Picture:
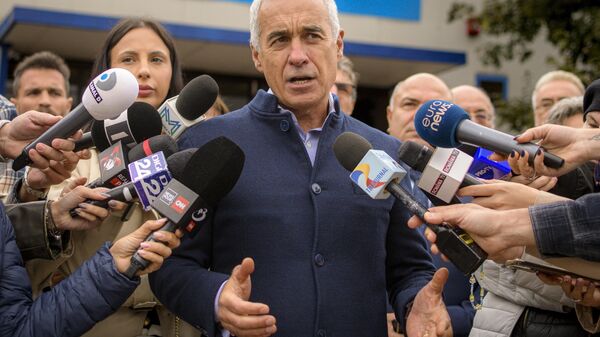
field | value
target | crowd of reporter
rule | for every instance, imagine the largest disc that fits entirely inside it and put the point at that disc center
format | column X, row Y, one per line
column 63, row 261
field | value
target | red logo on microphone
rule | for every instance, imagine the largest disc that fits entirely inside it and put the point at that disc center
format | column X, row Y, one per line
column 180, row 204
column 438, row 184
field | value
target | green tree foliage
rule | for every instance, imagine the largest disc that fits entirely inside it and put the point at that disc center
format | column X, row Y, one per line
column 572, row 26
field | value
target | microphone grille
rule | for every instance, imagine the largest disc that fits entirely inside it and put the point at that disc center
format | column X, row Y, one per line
column 350, row 148
column 414, row 155
column 144, row 121
column 197, row 97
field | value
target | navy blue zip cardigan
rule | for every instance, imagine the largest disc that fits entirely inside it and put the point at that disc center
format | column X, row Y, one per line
column 324, row 251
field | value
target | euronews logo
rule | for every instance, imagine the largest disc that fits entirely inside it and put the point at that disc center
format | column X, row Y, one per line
column 435, row 112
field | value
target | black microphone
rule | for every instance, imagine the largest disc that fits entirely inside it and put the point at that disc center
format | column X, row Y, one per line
column 416, row 156
column 373, row 171
column 444, row 124
column 112, row 175
column 127, row 191
column 185, row 110
column 209, row 175
column 139, row 122
column 105, row 97
column 84, row 142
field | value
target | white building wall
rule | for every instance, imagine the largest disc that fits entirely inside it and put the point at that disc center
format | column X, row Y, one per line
column 432, row 32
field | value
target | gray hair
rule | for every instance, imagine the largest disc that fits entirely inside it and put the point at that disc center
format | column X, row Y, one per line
column 255, row 29
column 556, row 75
column 346, row 66
column 564, row 109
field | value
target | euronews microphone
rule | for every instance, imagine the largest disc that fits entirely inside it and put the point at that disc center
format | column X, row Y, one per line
column 134, row 125
column 378, row 174
column 444, row 124
column 105, row 97
column 185, row 110
column 209, row 175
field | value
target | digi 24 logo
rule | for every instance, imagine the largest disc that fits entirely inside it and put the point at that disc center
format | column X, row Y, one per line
column 153, row 185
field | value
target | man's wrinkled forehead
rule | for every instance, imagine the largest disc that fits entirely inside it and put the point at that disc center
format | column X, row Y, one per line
column 293, row 17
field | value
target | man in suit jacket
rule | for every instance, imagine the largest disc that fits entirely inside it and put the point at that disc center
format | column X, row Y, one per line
column 321, row 251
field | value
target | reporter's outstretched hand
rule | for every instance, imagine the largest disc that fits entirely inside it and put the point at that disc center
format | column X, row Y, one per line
column 58, row 161
column 575, row 146
column 238, row 315
column 26, row 127
column 503, row 195
column 502, row 234
column 89, row 216
column 154, row 252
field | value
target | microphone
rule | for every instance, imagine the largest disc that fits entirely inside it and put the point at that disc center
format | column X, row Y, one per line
column 485, row 168
column 139, row 122
column 376, row 171
column 113, row 165
column 150, row 184
column 105, row 97
column 149, row 175
column 185, row 110
column 416, row 156
column 209, row 175
column 152, row 145
column 444, row 124
column 84, row 142
column 114, row 160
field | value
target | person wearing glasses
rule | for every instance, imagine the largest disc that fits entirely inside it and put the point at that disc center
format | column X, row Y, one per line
column 346, row 80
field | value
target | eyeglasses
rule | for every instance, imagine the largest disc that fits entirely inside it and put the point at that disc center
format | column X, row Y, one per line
column 345, row 87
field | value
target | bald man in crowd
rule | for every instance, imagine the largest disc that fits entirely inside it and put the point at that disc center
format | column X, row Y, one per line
column 406, row 99
column 476, row 103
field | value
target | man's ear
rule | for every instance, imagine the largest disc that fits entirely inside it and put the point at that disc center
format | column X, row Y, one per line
column 256, row 59
column 70, row 102
column 340, row 44
column 388, row 114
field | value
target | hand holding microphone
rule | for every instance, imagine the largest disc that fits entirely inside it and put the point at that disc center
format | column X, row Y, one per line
column 154, row 252
column 576, row 146
column 24, row 128
column 446, row 125
column 497, row 232
column 378, row 174
column 105, row 97
column 210, row 173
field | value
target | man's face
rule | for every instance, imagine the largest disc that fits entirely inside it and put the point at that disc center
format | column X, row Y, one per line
column 298, row 54
column 549, row 94
column 344, row 89
column 407, row 100
column 42, row 90
column 476, row 104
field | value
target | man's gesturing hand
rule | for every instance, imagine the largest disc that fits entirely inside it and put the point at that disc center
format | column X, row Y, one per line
column 238, row 315
column 428, row 316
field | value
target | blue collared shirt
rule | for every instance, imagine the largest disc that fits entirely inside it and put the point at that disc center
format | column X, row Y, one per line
column 310, row 139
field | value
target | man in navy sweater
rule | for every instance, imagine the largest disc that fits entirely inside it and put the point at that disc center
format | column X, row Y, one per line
column 316, row 253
